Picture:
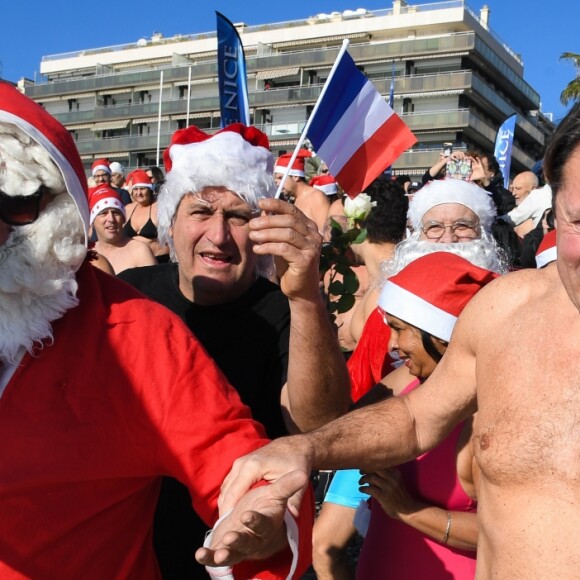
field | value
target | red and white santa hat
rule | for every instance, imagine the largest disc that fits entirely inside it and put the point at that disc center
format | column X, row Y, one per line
column 431, row 292
column 139, row 178
column 101, row 164
column 547, row 251
column 326, row 184
column 449, row 190
column 297, row 168
column 101, row 198
column 17, row 109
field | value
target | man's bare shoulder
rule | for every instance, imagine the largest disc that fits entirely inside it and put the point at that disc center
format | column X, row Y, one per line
column 513, row 291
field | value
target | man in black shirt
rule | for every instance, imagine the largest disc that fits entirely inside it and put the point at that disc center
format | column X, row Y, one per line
column 275, row 344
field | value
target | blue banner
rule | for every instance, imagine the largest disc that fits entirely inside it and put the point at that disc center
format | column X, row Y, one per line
column 503, row 147
column 232, row 81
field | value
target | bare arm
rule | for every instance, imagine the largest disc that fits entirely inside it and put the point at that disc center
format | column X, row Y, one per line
column 381, row 435
column 318, row 386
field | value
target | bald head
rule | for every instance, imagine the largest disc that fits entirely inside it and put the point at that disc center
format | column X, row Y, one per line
column 524, row 183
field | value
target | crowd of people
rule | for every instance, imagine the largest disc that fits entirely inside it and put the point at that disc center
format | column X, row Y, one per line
column 139, row 403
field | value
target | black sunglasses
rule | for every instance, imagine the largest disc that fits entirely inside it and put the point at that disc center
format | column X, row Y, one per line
column 21, row 210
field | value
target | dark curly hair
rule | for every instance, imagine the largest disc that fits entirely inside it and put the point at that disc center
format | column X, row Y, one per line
column 387, row 221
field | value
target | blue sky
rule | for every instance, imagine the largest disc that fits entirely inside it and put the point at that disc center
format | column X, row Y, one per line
column 33, row 29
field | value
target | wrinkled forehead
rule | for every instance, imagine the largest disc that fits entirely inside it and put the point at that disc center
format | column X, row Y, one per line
column 219, row 197
column 449, row 212
column 24, row 164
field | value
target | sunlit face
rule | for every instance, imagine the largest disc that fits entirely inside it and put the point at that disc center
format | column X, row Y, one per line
column 100, row 177
column 213, row 247
column 109, row 224
column 456, row 218
column 568, row 227
column 289, row 187
column 406, row 341
column 521, row 187
column 141, row 194
column 117, row 179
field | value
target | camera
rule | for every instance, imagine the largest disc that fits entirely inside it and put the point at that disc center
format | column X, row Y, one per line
column 459, row 169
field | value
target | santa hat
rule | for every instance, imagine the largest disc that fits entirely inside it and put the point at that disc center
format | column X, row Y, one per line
column 547, row 252
column 237, row 158
column 139, row 178
column 431, row 292
column 449, row 190
column 297, row 169
column 100, row 164
column 101, row 198
column 17, row 109
column 326, row 184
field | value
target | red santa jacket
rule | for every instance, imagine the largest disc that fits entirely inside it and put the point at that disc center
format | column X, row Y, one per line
column 123, row 395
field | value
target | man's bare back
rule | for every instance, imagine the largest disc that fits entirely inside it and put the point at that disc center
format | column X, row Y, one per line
column 314, row 204
column 527, row 438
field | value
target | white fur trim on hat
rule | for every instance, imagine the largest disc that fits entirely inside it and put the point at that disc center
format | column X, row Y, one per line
column 416, row 311
column 281, row 169
column 449, row 190
column 148, row 185
column 104, row 204
column 328, row 189
column 224, row 160
column 105, row 168
column 547, row 256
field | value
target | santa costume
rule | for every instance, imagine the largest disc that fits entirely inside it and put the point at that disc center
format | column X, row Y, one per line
column 103, row 392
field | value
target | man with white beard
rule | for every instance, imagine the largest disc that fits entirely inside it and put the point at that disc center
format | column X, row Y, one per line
column 90, row 422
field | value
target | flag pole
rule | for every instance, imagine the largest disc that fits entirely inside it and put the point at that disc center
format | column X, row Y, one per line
column 302, row 138
column 159, row 117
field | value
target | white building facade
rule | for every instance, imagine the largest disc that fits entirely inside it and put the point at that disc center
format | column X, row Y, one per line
column 454, row 81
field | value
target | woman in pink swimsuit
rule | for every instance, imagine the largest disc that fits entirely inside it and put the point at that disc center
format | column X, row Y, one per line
column 423, row 520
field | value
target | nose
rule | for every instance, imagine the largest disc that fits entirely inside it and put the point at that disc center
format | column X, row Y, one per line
column 393, row 341
column 448, row 237
column 218, row 231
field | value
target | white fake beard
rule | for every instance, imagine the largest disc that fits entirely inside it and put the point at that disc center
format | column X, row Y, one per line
column 37, row 276
column 483, row 252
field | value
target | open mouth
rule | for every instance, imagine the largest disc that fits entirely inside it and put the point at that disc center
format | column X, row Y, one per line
column 212, row 258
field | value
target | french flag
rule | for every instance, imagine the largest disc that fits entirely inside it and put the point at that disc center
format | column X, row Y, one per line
column 353, row 129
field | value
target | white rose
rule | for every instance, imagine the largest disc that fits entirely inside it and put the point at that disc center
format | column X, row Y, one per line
column 359, row 207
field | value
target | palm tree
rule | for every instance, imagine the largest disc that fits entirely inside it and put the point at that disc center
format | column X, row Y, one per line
column 572, row 91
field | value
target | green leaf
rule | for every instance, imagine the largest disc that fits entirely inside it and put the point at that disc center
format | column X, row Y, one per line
column 345, row 303
column 336, row 288
column 350, row 283
column 361, row 237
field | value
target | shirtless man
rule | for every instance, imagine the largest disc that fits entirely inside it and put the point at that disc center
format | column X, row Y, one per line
column 523, row 184
column 310, row 200
column 527, row 438
column 107, row 219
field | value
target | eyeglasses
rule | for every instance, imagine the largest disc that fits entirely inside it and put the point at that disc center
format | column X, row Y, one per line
column 461, row 229
column 21, row 210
